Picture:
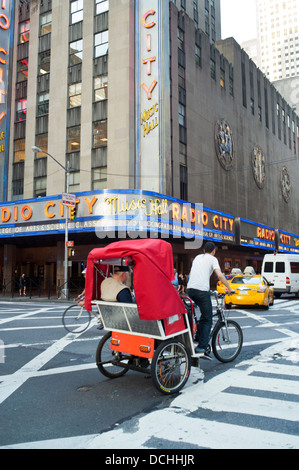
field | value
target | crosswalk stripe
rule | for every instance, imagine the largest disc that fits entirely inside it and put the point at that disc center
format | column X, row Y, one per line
column 257, row 406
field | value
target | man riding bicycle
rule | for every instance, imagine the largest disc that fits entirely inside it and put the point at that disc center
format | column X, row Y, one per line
column 198, row 289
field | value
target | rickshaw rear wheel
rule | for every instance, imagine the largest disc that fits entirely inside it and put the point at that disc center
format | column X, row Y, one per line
column 171, row 366
column 107, row 360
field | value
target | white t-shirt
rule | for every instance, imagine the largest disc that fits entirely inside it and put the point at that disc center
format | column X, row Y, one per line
column 201, row 271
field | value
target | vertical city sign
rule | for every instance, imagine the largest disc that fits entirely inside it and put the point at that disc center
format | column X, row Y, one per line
column 149, row 90
column 6, row 29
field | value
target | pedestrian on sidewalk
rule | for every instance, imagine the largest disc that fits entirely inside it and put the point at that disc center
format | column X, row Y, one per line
column 22, row 285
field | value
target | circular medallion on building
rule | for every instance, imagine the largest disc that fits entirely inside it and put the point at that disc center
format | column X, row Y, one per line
column 224, row 144
column 258, row 166
column 285, row 184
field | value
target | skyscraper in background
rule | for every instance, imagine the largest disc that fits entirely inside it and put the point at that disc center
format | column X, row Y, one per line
column 276, row 48
column 278, row 38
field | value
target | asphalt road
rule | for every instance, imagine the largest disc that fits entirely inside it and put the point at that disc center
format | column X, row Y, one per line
column 53, row 396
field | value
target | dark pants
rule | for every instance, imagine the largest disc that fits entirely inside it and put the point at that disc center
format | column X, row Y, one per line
column 204, row 325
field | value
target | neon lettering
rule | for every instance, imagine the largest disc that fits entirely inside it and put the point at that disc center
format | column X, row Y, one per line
column 2, row 61
column 145, row 17
column 6, row 20
column 149, row 90
column 90, row 203
column 148, row 62
column 48, row 214
column 28, row 215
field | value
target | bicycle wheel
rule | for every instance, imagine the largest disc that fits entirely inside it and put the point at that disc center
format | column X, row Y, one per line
column 76, row 319
column 108, row 361
column 227, row 341
column 171, row 366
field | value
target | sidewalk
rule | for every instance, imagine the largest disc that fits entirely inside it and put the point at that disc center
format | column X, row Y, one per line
column 34, row 298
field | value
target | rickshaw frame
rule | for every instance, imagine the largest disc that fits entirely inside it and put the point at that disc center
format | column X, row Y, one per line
column 163, row 346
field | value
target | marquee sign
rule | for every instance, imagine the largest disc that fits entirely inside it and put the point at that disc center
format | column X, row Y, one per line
column 287, row 242
column 118, row 213
column 256, row 235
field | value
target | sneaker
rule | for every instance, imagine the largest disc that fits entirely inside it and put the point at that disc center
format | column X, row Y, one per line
column 100, row 325
column 203, row 354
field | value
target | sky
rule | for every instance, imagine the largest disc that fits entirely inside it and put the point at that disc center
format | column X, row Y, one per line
column 238, row 19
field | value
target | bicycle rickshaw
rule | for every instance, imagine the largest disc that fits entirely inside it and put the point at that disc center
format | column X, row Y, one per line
column 155, row 335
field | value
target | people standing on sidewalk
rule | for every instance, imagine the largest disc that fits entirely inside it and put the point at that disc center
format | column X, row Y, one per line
column 198, row 289
column 22, row 285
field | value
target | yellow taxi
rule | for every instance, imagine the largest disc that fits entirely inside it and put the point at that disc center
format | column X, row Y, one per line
column 250, row 290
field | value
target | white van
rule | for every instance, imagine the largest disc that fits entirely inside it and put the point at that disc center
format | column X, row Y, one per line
column 282, row 270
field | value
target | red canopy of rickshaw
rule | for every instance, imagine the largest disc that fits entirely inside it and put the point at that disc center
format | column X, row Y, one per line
column 156, row 297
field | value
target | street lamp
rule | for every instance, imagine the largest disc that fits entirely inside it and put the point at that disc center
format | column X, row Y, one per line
column 67, row 180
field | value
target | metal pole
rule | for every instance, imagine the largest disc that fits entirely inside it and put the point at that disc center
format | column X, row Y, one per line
column 66, row 169
column 67, row 183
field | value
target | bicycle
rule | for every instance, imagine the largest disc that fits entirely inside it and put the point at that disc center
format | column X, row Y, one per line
column 226, row 337
column 76, row 319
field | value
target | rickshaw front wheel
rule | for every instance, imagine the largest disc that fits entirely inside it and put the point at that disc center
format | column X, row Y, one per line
column 171, row 366
column 109, row 361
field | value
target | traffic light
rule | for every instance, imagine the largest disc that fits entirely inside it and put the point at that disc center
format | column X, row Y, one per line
column 73, row 214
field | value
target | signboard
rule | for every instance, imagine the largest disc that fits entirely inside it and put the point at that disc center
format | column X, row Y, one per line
column 69, row 200
column 152, row 72
column 118, row 213
column 287, row 242
column 256, row 235
column 6, row 35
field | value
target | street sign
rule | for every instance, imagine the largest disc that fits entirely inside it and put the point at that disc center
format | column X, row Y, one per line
column 69, row 244
column 68, row 199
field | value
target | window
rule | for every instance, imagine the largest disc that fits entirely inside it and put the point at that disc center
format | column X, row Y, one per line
column 183, row 183
column 18, row 179
column 198, row 55
column 222, row 78
column 279, row 267
column 45, row 23
column 76, row 53
column 21, row 110
column 181, row 39
column 40, row 186
column 101, row 88
column 44, row 62
column 22, row 70
column 181, row 72
column 75, row 95
column 19, row 152
column 73, row 139
column 74, row 181
column 101, row 6
column 99, row 178
column 183, row 155
column 268, row 267
column 24, row 32
column 41, row 141
column 43, row 104
column 182, row 115
column 213, row 69
column 100, row 135
column 101, row 44
column 295, row 268
column 76, row 11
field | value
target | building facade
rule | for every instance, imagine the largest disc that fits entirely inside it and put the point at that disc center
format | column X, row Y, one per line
column 167, row 130
column 278, row 38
